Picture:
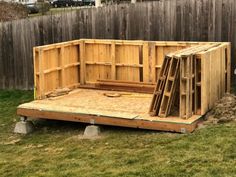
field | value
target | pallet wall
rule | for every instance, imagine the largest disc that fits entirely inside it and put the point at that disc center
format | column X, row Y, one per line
column 215, row 75
column 85, row 61
column 192, row 80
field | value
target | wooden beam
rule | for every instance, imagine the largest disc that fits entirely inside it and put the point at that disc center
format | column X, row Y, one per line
column 125, row 82
column 228, row 67
column 113, row 61
column 41, row 74
column 35, row 76
column 133, row 123
column 146, row 69
column 143, row 88
column 82, row 63
column 62, row 61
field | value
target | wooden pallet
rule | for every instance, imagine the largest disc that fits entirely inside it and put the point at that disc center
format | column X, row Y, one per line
column 186, row 76
column 170, row 88
column 163, row 100
column 158, row 92
column 190, row 81
column 184, row 72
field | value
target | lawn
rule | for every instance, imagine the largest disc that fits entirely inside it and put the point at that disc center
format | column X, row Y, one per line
column 55, row 149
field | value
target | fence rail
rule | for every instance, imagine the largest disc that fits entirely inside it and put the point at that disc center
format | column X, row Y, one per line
column 163, row 20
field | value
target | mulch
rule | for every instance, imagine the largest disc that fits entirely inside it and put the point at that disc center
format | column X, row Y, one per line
column 224, row 111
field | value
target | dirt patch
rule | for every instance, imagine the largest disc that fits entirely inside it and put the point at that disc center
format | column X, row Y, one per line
column 224, row 111
column 12, row 11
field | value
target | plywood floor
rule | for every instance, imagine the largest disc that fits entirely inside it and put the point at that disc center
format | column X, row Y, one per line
column 94, row 102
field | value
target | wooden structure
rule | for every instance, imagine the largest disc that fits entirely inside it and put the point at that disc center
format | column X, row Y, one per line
column 117, row 78
column 195, row 75
column 162, row 20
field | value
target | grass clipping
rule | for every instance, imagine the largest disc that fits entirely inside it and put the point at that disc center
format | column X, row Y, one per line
column 12, row 11
column 224, row 110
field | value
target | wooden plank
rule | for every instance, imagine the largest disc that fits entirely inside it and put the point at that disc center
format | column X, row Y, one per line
column 82, row 63
column 63, row 77
column 228, row 59
column 198, row 84
column 152, row 62
column 142, row 88
column 41, row 75
column 35, row 70
column 113, row 61
column 146, row 70
column 191, row 76
column 125, row 82
column 143, row 124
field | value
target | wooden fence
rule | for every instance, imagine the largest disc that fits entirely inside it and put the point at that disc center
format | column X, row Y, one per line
column 165, row 20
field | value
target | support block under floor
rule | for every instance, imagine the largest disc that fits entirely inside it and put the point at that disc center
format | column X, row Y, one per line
column 92, row 131
column 24, row 127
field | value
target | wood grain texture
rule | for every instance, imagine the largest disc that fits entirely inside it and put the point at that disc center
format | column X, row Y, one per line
column 175, row 20
column 85, row 61
column 79, row 106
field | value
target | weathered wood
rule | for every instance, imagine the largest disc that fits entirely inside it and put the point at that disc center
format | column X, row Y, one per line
column 196, row 20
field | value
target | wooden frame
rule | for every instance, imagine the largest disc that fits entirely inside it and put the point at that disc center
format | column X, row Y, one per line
column 203, row 80
column 83, row 62
column 134, row 66
column 162, row 125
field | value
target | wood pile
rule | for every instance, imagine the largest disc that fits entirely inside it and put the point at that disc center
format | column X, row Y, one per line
column 186, row 77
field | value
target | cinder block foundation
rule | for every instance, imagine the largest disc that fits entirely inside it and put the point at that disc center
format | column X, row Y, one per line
column 24, row 127
column 92, row 131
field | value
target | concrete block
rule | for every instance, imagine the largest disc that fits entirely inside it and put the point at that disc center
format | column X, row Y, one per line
column 92, row 131
column 24, row 127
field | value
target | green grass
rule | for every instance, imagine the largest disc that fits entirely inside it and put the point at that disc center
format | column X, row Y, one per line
column 54, row 149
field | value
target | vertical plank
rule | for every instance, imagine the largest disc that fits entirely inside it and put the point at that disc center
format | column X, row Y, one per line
column 113, row 61
column 146, row 69
column 62, row 62
column 82, row 63
column 228, row 68
column 41, row 74
column 203, row 84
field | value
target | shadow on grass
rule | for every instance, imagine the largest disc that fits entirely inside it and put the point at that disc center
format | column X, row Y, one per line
column 65, row 126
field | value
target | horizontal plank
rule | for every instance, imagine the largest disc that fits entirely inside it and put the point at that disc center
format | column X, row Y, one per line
column 72, row 65
column 121, row 81
column 47, row 71
column 97, row 63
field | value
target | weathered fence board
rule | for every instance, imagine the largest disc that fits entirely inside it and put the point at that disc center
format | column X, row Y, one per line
column 179, row 20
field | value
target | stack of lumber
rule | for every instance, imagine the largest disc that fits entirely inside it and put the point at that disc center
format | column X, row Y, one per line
column 185, row 79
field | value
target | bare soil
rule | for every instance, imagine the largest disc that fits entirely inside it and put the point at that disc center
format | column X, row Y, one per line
column 12, row 11
column 224, row 111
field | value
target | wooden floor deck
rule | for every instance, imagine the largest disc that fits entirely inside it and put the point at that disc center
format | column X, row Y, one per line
column 93, row 106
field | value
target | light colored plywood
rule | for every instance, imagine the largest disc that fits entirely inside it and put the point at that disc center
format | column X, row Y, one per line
column 79, row 106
